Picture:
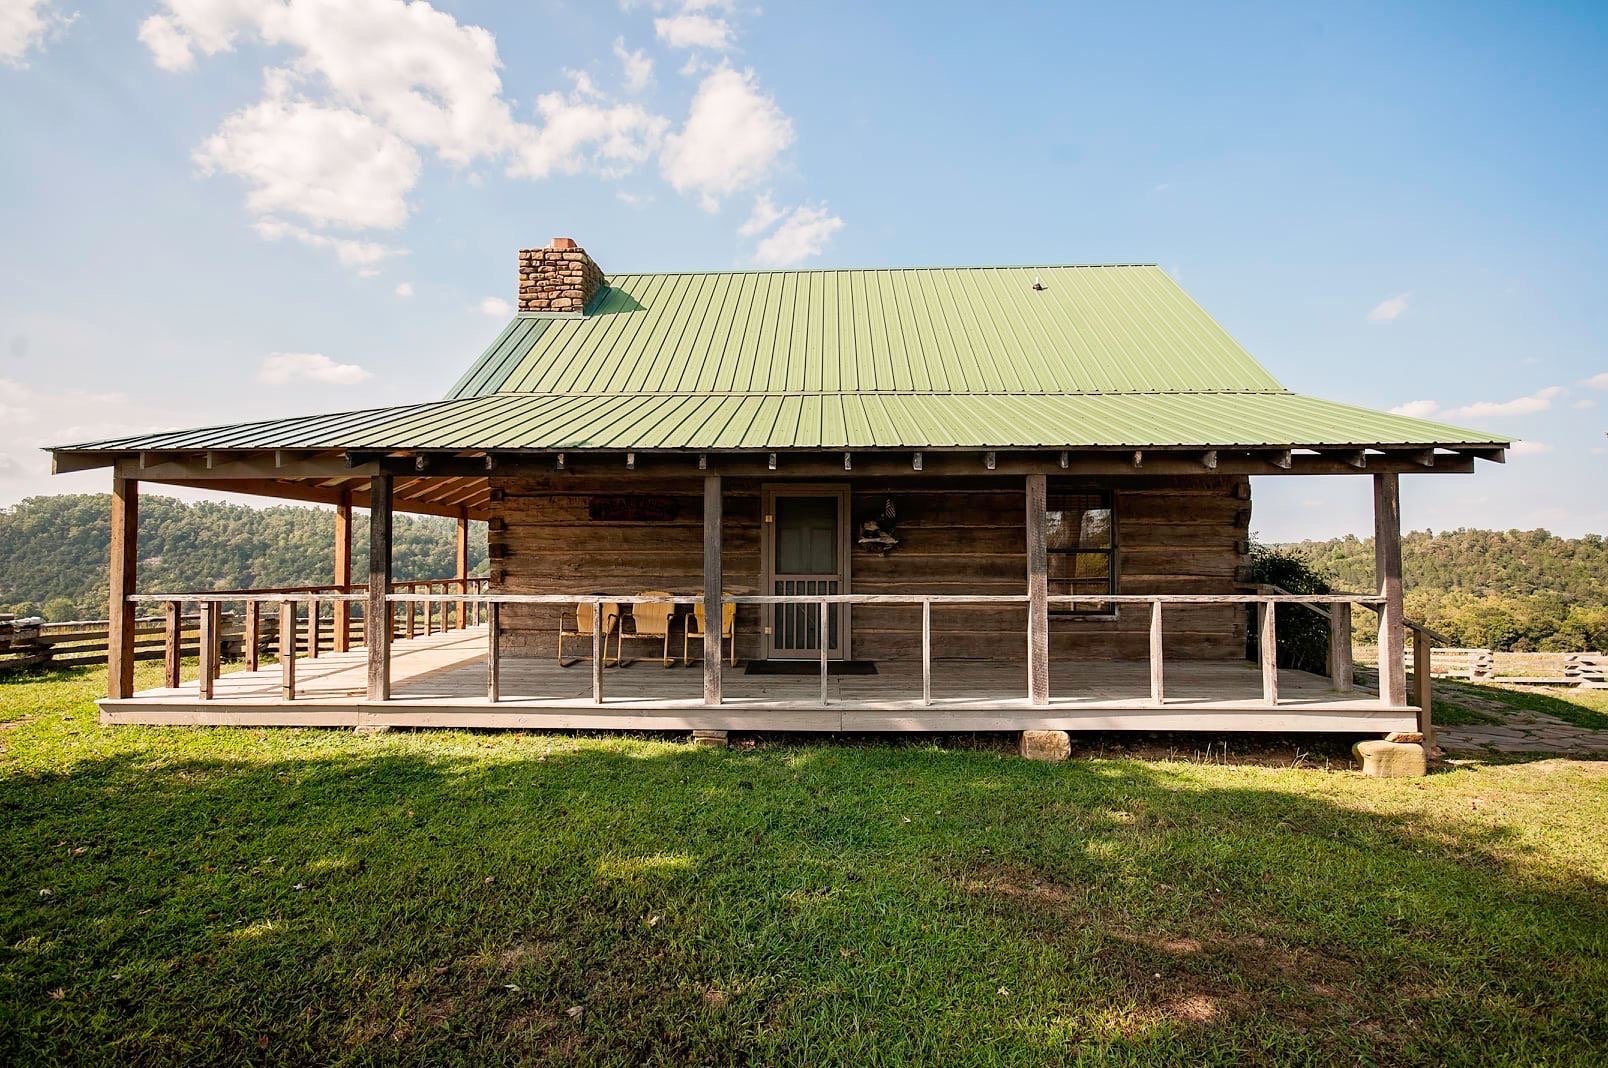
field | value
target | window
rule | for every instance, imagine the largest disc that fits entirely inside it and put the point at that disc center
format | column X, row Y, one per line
column 1081, row 540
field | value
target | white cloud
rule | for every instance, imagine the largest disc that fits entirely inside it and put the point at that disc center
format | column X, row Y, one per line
column 331, row 166
column 638, row 66
column 765, row 214
column 496, row 307
column 279, row 368
column 688, row 30
column 579, row 132
column 25, row 25
column 731, row 139
column 1530, row 448
column 1389, row 309
column 1597, row 381
column 404, row 289
column 375, row 83
column 1539, row 401
column 1418, row 409
column 1583, row 403
column 31, row 418
column 634, row 200
column 802, row 234
column 364, row 257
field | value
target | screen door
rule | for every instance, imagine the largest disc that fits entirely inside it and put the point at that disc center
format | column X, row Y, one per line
column 806, row 552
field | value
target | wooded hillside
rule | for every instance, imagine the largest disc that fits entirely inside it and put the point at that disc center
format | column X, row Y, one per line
column 1496, row 589
column 53, row 550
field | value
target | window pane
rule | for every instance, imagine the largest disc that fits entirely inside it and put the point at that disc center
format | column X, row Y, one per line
column 806, row 535
column 1095, row 530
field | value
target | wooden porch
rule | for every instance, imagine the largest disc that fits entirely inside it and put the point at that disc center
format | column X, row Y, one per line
column 441, row 680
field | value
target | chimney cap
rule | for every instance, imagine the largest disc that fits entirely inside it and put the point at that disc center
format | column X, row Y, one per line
column 564, row 243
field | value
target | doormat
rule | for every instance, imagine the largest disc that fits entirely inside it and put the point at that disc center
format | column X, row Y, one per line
column 810, row 667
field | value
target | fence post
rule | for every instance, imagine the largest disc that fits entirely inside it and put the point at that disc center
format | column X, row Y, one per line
column 1268, row 646
column 173, row 614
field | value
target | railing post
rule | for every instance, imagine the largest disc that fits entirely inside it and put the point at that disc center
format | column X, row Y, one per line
column 409, row 613
column 1387, row 568
column 287, row 650
column 1340, row 671
column 462, row 561
column 926, row 651
column 825, row 644
column 1424, row 688
column 713, row 582
column 1038, row 612
column 377, row 613
column 173, row 619
column 1268, row 647
column 342, row 640
column 493, row 655
column 125, row 523
column 312, row 629
column 597, row 651
column 1158, row 692
column 216, row 611
column 252, row 634
column 208, row 651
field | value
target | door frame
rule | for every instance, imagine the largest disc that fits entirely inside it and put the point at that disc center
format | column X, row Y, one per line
column 768, row 492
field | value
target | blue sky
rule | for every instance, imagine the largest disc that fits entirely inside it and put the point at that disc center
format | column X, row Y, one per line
column 217, row 210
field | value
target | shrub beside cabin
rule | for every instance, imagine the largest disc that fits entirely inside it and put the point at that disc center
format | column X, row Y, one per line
column 925, row 499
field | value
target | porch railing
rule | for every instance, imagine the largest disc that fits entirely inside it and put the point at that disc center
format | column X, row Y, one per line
column 1266, row 604
column 299, row 625
column 474, row 604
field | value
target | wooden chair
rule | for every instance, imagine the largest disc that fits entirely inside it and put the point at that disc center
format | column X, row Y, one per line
column 695, row 625
column 581, row 620
column 648, row 621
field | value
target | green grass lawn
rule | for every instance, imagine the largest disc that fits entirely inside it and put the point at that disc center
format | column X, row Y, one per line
column 295, row 896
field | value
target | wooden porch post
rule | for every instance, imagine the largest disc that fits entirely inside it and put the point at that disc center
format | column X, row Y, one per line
column 1038, row 607
column 714, row 581
column 119, row 609
column 1387, row 567
column 343, row 571
column 376, row 612
column 463, row 566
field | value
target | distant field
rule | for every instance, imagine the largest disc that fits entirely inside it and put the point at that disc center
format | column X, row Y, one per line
column 297, row 896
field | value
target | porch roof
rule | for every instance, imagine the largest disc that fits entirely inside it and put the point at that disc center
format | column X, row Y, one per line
column 933, row 358
column 616, row 422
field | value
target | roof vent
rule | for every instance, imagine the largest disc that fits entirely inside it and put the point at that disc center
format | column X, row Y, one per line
column 560, row 279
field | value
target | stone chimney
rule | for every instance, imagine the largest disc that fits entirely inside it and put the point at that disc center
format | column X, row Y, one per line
column 558, row 278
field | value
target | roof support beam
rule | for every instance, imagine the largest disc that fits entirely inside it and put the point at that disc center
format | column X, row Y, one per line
column 915, row 462
column 990, row 460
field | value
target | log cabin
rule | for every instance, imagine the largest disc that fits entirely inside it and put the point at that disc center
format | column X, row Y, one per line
column 979, row 498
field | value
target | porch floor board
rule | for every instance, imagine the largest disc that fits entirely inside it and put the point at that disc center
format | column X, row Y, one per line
column 440, row 681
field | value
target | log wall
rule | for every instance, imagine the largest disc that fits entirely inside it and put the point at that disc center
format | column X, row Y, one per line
column 1175, row 535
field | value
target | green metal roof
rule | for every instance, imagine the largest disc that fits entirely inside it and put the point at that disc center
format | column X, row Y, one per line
column 919, row 358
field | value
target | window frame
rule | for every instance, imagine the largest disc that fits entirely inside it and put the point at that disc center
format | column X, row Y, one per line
column 1107, row 498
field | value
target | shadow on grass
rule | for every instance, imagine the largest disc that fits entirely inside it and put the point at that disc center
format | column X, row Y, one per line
column 453, row 897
